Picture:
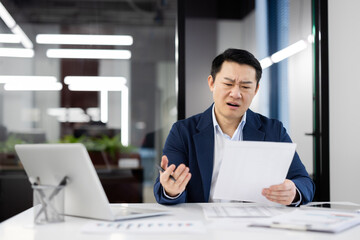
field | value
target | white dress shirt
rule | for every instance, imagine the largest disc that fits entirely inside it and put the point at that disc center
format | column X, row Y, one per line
column 219, row 139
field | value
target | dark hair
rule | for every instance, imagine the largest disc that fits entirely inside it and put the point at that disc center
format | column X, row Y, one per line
column 239, row 56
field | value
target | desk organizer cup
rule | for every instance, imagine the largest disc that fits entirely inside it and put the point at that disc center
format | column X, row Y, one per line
column 48, row 203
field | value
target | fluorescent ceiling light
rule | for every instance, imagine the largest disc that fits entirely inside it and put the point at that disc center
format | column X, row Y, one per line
column 16, row 52
column 83, row 39
column 30, row 83
column 94, row 80
column 95, row 87
column 266, row 62
column 23, row 38
column 9, row 38
column 27, row 79
column 11, row 24
column 33, row 86
column 68, row 114
column 125, row 116
column 6, row 17
column 95, row 83
column 88, row 53
column 104, row 106
column 288, row 51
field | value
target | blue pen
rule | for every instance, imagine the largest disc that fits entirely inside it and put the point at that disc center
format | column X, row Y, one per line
column 163, row 170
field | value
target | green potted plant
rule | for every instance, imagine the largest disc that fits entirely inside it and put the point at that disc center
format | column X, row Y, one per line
column 105, row 150
column 7, row 150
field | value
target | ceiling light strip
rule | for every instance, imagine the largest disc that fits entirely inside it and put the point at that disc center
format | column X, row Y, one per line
column 125, row 117
column 33, row 87
column 84, row 88
column 11, row 24
column 16, row 52
column 94, row 80
column 288, row 51
column 9, row 38
column 88, row 53
column 25, row 41
column 27, row 79
column 283, row 54
column 85, row 39
column 6, row 17
column 104, row 108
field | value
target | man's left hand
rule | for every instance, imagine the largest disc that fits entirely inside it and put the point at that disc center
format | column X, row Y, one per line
column 284, row 193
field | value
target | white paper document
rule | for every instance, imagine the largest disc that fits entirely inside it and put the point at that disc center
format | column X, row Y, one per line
column 312, row 220
column 145, row 227
column 247, row 167
column 247, row 211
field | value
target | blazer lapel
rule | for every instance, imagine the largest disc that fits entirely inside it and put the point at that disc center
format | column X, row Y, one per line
column 204, row 147
column 251, row 128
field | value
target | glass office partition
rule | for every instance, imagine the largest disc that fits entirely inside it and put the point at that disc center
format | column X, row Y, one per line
column 97, row 72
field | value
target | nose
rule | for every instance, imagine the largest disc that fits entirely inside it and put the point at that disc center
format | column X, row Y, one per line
column 235, row 92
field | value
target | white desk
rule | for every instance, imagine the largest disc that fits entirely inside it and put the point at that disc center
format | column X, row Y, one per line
column 21, row 227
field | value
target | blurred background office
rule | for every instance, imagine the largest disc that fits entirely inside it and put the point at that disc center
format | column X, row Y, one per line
column 115, row 75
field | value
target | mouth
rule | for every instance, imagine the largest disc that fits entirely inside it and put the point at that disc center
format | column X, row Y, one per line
column 233, row 104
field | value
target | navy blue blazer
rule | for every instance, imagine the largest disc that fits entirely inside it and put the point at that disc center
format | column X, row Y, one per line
column 191, row 141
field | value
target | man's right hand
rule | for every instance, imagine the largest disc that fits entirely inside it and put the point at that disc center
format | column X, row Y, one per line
column 181, row 174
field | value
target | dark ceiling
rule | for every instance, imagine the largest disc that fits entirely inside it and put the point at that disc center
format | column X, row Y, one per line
column 121, row 12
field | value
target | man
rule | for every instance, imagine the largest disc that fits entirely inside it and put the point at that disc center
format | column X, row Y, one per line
column 196, row 144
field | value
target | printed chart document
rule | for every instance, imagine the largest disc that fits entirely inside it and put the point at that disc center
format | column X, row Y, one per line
column 247, row 167
column 246, row 211
column 145, row 227
column 312, row 220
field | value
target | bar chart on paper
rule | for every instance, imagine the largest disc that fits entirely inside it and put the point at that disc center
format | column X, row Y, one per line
column 145, row 227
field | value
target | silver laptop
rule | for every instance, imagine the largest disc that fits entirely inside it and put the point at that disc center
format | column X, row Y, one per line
column 84, row 194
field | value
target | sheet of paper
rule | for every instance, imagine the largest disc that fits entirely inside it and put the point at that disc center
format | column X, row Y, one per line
column 145, row 227
column 312, row 220
column 241, row 211
column 247, row 167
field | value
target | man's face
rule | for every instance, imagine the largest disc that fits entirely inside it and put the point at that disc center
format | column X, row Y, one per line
column 233, row 91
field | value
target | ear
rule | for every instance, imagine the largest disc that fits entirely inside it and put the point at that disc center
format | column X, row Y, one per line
column 211, row 83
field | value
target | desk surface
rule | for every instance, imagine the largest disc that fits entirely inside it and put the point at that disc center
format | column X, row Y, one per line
column 21, row 227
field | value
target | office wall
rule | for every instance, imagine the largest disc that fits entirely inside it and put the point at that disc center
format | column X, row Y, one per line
column 204, row 39
column 344, row 51
column 200, row 44
column 300, row 82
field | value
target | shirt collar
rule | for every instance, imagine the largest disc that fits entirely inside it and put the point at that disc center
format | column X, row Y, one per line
column 217, row 126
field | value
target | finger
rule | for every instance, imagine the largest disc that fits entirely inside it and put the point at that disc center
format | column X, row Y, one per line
column 273, row 197
column 179, row 170
column 180, row 178
column 283, row 197
column 286, row 185
column 164, row 162
column 280, row 187
column 165, row 176
column 284, row 201
column 278, row 195
column 271, row 192
column 184, row 183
